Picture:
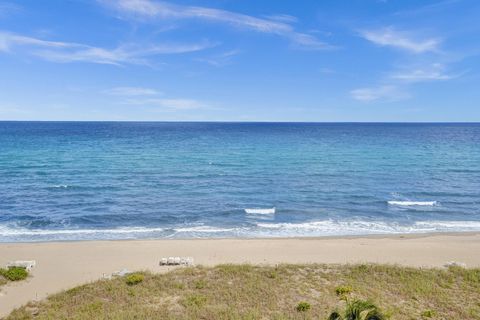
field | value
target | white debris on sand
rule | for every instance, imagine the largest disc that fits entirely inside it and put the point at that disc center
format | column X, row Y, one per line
column 176, row 261
column 455, row 264
column 27, row 264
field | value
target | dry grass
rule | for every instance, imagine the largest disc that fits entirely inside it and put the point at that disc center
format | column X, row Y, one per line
column 254, row 292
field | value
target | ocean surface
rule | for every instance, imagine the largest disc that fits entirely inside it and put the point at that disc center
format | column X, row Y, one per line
column 114, row 180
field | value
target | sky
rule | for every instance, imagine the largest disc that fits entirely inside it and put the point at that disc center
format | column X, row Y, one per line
column 240, row 60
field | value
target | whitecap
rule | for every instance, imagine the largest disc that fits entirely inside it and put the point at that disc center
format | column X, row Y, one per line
column 412, row 203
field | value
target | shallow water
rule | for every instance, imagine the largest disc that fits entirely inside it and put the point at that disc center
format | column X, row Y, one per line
column 100, row 180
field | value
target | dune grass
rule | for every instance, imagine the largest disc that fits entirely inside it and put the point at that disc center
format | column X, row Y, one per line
column 260, row 292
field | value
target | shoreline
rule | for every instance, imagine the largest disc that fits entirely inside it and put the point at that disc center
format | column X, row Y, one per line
column 63, row 265
column 359, row 236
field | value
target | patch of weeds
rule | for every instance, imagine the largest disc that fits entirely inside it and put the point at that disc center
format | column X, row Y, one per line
column 428, row 314
column 343, row 290
column 303, row 306
column 134, row 278
column 200, row 284
column 14, row 273
column 195, row 300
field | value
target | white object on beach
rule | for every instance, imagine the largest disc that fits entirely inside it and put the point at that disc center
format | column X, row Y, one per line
column 260, row 210
column 455, row 264
column 27, row 264
column 121, row 273
column 176, row 261
column 412, row 203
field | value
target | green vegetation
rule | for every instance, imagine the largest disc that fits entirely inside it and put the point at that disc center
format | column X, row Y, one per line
column 358, row 310
column 13, row 274
column 303, row 306
column 343, row 290
column 251, row 292
column 134, row 278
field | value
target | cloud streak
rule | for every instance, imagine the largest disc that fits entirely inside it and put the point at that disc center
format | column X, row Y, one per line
column 387, row 93
column 163, row 10
column 389, row 37
column 64, row 52
column 148, row 97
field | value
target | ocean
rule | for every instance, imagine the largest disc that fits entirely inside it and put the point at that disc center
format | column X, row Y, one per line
column 129, row 180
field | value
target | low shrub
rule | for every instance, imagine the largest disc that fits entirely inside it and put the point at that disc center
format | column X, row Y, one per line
column 343, row 290
column 14, row 273
column 428, row 314
column 358, row 310
column 134, row 278
column 195, row 300
column 303, row 306
column 200, row 284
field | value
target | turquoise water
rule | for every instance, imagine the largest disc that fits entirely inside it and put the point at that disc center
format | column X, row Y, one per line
column 100, row 180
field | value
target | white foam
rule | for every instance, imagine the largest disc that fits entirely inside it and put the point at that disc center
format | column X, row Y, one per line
column 204, row 229
column 412, row 203
column 5, row 231
column 260, row 211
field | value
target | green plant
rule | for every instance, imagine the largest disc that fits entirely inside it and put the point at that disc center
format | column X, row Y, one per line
column 358, row 310
column 14, row 273
column 303, row 306
column 343, row 290
column 200, row 284
column 428, row 313
column 196, row 300
column 134, row 278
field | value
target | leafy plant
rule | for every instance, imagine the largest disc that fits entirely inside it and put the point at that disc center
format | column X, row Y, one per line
column 14, row 273
column 134, row 278
column 303, row 306
column 343, row 290
column 196, row 300
column 358, row 310
column 428, row 313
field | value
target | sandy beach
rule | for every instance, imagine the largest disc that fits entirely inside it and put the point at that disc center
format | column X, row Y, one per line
column 62, row 265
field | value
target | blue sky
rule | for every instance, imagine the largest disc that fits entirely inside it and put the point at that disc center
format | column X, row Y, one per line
column 232, row 60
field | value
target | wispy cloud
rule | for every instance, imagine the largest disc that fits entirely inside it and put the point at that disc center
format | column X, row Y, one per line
column 148, row 97
column 401, row 40
column 220, row 60
column 174, row 103
column 132, row 91
column 162, row 10
column 432, row 72
column 387, row 93
column 74, row 52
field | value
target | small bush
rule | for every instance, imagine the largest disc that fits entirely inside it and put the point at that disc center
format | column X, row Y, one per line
column 200, row 284
column 14, row 273
column 195, row 300
column 134, row 278
column 303, row 306
column 428, row 314
column 343, row 290
column 358, row 310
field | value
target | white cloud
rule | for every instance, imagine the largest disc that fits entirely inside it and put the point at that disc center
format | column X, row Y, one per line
column 72, row 52
column 432, row 72
column 174, row 103
column 220, row 60
column 383, row 93
column 163, row 10
column 401, row 40
column 132, row 91
column 148, row 97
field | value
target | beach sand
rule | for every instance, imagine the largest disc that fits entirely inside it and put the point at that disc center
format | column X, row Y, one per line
column 63, row 265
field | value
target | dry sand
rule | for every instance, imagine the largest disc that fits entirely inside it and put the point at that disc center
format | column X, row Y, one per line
column 63, row 265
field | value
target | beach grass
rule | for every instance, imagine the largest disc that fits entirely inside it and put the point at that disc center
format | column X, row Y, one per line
column 12, row 274
column 268, row 292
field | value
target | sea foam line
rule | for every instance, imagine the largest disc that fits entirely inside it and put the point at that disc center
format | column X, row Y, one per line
column 412, row 203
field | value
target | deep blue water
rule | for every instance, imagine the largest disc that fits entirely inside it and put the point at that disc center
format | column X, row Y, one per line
column 100, row 180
